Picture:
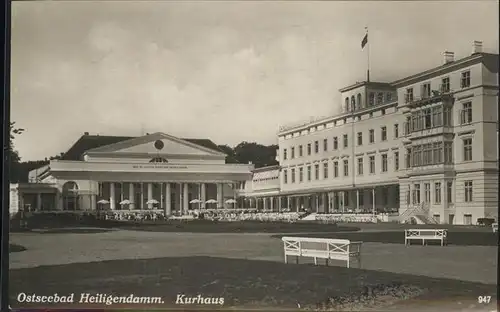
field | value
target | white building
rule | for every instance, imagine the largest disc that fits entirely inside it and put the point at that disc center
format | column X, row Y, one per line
column 155, row 171
column 425, row 145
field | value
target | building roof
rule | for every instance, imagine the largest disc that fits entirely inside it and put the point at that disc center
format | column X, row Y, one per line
column 87, row 142
column 489, row 59
column 368, row 84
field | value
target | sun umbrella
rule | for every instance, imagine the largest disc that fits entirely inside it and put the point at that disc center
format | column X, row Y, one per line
column 230, row 201
column 211, row 201
column 152, row 201
column 125, row 202
column 195, row 201
column 103, row 201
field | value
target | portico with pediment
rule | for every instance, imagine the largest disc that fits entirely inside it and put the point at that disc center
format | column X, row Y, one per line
column 155, row 171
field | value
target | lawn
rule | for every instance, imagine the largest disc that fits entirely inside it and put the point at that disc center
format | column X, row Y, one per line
column 455, row 237
column 242, row 283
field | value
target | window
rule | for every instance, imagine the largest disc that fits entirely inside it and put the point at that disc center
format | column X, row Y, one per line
column 384, row 133
column 447, row 116
column 448, row 152
column 335, row 169
column 426, row 90
column 284, row 154
column 335, row 143
column 301, row 174
column 416, row 193
column 409, row 95
column 360, row 138
column 380, row 98
column 388, row 96
column 445, row 85
column 347, row 104
column 292, row 152
column 371, row 99
column 316, row 147
column 437, row 116
column 359, row 100
column 396, row 161
column 301, row 151
column 467, row 219
column 468, row 191
column 427, row 192
column 465, row 79
column 308, row 173
column 308, row 148
column 427, row 118
column 384, row 162
column 346, row 167
column 437, row 193
column 325, row 145
column 353, row 103
column 449, row 194
column 466, row 113
column 346, row 143
column 316, row 172
column 437, row 217
column 437, row 152
column 382, row 112
column 408, row 157
column 467, row 149
column 396, row 131
column 360, row 166
column 293, row 175
column 372, row 164
column 325, row 170
column 408, row 197
column 371, row 135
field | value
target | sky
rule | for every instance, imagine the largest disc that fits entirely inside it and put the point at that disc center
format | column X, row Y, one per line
column 229, row 71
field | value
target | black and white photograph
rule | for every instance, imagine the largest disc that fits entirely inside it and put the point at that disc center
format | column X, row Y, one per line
column 254, row 155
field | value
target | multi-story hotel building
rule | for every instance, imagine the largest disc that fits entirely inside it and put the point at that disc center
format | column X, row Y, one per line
column 424, row 145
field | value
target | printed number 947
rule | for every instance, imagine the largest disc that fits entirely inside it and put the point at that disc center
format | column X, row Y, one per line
column 484, row 299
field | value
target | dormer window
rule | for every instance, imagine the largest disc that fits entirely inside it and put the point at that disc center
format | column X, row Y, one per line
column 359, row 100
column 158, row 160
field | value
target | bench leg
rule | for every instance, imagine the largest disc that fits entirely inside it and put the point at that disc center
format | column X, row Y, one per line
column 315, row 261
column 347, row 262
column 286, row 261
column 423, row 242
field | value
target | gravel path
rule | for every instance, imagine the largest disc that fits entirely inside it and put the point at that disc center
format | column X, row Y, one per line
column 468, row 263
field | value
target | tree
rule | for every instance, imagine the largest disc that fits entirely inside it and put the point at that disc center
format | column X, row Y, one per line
column 260, row 155
column 14, row 158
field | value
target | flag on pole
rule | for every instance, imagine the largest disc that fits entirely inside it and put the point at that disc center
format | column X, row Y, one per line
column 364, row 41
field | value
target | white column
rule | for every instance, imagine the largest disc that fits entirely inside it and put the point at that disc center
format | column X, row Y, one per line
column 333, row 200
column 373, row 200
column 112, row 198
column 279, row 204
column 203, row 194
column 168, row 200
column 272, row 203
column 150, row 194
column 357, row 199
column 38, row 201
column 180, row 198
column 186, row 198
column 142, row 196
column 131, row 195
column 326, row 204
column 288, row 202
column 220, row 194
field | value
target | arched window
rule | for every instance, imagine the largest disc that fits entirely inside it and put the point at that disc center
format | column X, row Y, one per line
column 347, row 104
column 353, row 102
column 70, row 196
column 359, row 101
column 158, row 160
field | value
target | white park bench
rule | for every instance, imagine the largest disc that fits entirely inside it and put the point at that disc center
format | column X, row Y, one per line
column 426, row 234
column 324, row 248
column 494, row 226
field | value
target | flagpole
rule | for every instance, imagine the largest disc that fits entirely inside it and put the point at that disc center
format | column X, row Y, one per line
column 368, row 56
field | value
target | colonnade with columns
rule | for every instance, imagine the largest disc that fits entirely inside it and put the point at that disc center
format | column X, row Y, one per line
column 168, row 196
column 361, row 200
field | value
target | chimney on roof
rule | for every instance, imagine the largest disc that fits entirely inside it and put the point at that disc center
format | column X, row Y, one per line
column 448, row 57
column 477, row 47
column 85, row 133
